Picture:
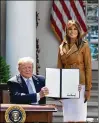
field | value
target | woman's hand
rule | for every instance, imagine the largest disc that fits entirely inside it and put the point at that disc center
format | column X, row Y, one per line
column 79, row 87
column 87, row 96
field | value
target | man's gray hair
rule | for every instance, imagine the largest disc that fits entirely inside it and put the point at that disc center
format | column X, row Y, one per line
column 25, row 60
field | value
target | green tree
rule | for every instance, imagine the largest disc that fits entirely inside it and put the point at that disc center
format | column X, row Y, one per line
column 4, row 71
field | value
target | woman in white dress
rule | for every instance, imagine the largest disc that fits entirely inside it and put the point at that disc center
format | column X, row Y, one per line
column 74, row 53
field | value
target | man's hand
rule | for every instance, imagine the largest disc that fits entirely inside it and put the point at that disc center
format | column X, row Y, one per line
column 44, row 91
column 87, row 96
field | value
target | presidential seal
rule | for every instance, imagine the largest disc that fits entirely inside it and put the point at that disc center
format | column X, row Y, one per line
column 15, row 114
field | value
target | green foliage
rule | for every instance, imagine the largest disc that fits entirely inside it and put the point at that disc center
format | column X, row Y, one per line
column 4, row 71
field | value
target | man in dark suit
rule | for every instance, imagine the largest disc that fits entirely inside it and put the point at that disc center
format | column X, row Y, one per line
column 27, row 88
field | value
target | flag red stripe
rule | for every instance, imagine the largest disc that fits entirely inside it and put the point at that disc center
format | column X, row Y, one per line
column 78, row 15
column 59, row 15
column 82, row 5
column 56, row 28
column 65, row 9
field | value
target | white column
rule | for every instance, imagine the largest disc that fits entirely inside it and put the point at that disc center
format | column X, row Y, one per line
column 20, row 32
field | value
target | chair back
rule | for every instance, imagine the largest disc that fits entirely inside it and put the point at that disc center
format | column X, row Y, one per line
column 6, row 96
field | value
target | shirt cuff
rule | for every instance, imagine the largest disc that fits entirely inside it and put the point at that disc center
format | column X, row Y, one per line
column 23, row 94
column 38, row 97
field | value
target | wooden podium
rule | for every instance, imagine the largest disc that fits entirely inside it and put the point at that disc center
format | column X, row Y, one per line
column 34, row 113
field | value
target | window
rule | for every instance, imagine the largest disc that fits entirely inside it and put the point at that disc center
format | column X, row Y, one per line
column 91, row 11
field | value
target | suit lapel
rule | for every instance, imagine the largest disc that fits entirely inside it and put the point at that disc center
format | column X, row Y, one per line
column 36, row 82
column 72, row 50
column 22, row 83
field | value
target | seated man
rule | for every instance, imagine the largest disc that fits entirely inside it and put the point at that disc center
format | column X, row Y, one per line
column 27, row 88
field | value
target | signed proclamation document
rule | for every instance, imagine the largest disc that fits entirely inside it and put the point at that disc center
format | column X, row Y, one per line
column 62, row 83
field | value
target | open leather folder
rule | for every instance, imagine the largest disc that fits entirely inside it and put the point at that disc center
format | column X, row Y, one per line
column 62, row 83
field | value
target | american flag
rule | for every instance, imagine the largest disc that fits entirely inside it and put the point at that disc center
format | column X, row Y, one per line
column 64, row 10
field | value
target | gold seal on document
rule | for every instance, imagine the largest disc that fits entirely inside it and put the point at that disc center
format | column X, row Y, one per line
column 15, row 114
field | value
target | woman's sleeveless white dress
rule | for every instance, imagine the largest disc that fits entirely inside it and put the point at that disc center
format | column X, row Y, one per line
column 75, row 109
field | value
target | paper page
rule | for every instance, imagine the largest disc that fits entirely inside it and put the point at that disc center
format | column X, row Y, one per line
column 70, row 82
column 53, row 82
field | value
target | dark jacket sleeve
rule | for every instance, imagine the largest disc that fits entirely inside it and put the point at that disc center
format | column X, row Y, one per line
column 42, row 80
column 17, row 95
